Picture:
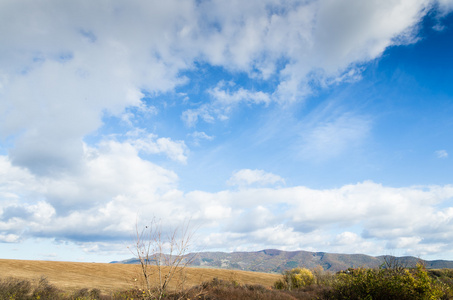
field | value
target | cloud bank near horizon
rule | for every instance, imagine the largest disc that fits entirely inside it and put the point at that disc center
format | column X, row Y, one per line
column 417, row 217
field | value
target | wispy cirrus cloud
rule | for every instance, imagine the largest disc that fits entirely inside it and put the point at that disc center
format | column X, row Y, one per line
column 246, row 177
column 198, row 136
column 441, row 154
column 331, row 137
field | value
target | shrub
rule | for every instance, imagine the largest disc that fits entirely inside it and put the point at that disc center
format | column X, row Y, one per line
column 227, row 290
column 386, row 284
column 45, row 290
column 87, row 294
column 12, row 288
column 294, row 279
column 23, row 289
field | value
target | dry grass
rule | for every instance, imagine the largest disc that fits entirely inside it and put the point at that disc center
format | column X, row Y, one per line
column 71, row 276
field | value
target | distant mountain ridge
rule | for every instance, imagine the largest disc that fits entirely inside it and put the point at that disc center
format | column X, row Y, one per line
column 276, row 261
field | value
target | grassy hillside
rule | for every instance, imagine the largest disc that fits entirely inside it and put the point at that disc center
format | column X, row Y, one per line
column 110, row 277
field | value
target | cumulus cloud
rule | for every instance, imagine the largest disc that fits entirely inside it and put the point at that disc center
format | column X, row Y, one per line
column 9, row 238
column 385, row 216
column 445, row 6
column 102, row 204
column 107, row 55
column 56, row 93
column 350, row 242
column 318, row 45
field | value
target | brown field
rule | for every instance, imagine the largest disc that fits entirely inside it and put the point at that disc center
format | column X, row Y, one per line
column 71, row 276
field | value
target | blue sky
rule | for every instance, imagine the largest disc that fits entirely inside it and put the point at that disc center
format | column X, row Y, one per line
column 297, row 125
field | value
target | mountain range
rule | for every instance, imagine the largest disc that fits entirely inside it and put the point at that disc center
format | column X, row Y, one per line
column 276, row 261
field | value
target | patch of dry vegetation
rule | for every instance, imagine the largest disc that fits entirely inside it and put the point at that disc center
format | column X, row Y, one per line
column 72, row 276
column 85, row 281
column 22, row 289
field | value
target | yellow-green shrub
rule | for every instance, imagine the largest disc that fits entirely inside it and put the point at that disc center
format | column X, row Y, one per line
column 295, row 278
column 386, row 284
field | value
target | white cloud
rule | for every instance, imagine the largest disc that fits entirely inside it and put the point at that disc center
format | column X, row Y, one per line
column 229, row 98
column 246, row 177
column 102, row 201
column 350, row 242
column 54, row 94
column 150, row 143
column 131, row 113
column 370, row 217
column 441, row 154
column 445, row 6
column 361, row 32
column 102, row 204
column 200, row 135
column 191, row 116
column 225, row 99
column 323, row 42
column 9, row 238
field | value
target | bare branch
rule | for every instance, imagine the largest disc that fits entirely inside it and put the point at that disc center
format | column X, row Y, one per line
column 169, row 254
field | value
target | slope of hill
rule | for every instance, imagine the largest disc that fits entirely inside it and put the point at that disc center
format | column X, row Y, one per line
column 71, row 276
column 276, row 261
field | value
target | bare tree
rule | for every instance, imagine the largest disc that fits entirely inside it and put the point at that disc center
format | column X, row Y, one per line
column 394, row 264
column 162, row 255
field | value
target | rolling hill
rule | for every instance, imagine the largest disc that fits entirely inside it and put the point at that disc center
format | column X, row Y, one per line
column 276, row 261
column 71, row 276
